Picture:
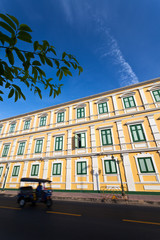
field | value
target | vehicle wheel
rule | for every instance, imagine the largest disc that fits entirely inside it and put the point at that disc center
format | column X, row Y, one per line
column 49, row 203
column 22, row 202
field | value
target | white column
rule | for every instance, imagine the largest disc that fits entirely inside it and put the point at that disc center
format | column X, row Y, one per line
column 154, row 129
column 34, row 123
column 48, row 144
column 5, row 128
column 45, row 169
column 25, row 168
column 29, row 145
column 91, row 110
column 121, row 134
column 70, row 114
column 144, row 100
column 115, row 104
column 13, row 148
column 93, row 139
column 18, row 129
column 95, row 173
column 51, row 119
column 68, row 173
column 128, row 172
column 69, row 142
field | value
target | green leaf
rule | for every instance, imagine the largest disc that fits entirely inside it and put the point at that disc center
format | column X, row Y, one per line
column 80, row 69
column 7, row 27
column 24, row 36
column 51, row 92
column 1, row 99
column 36, row 63
column 63, row 55
column 20, row 55
column 11, row 93
column 49, row 62
column 24, row 27
column 58, row 72
column 16, row 96
column 57, row 63
column 67, row 63
column 35, row 45
column 8, row 20
column 7, row 85
column 5, row 38
column 45, row 44
column 42, row 58
column 74, row 65
column 41, row 71
column 61, row 75
column 10, row 56
column 1, row 69
column 14, row 19
column 52, row 50
column 1, row 92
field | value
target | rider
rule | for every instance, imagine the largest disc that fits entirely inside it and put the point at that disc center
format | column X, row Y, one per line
column 39, row 190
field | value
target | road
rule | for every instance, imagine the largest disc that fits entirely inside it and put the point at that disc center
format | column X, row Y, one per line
column 75, row 220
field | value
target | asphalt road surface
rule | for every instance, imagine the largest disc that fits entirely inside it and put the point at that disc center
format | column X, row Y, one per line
column 75, row 220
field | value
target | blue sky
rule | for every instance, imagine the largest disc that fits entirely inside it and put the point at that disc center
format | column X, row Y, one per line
column 116, row 42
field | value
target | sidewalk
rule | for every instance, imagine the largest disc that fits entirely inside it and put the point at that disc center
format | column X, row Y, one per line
column 134, row 199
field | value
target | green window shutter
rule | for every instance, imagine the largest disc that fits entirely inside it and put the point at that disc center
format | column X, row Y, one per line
column 0, row 129
column 15, row 171
column 57, row 169
column 58, row 143
column 1, row 170
column 38, row 148
column 35, row 170
column 106, row 137
column 21, row 148
column 80, row 140
column 110, row 167
column 83, row 140
column 137, row 133
column 42, row 121
column 76, row 141
column 60, row 117
column 12, row 128
column 26, row 125
column 81, row 168
column 156, row 95
column 5, row 150
column 129, row 102
column 102, row 108
column 146, row 165
column 80, row 113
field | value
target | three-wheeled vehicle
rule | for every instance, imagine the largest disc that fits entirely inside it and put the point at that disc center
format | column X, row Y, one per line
column 28, row 194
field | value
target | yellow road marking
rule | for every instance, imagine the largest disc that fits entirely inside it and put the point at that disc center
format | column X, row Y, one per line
column 71, row 214
column 154, row 223
column 10, row 208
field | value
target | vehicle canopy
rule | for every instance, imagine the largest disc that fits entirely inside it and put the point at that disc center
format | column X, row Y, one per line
column 37, row 180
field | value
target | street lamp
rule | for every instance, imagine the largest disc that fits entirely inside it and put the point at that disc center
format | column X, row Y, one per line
column 118, row 161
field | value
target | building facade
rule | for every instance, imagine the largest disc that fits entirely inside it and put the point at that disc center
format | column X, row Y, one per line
column 87, row 144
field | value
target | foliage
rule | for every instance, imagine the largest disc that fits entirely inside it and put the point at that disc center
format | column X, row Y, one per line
column 31, row 71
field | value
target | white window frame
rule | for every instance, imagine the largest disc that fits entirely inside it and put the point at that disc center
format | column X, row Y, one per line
column 105, row 175
column 20, row 169
column 81, row 105
column 103, row 100
column 2, row 165
column 82, row 175
column 107, row 147
column 60, row 152
column 154, row 88
column 81, row 150
column 129, row 94
column 38, row 154
column 35, row 163
column 60, row 176
column 146, row 155
column 134, row 144
column 60, row 111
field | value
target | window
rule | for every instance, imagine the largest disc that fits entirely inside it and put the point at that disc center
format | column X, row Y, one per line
column 1, row 170
column 146, row 165
column 15, row 171
column 12, row 127
column 58, row 143
column 102, row 108
column 60, row 117
column 27, row 124
column 81, row 168
column 5, row 150
column 110, row 166
column 0, row 129
column 80, row 113
column 129, row 102
column 106, row 137
column 137, row 133
column 42, row 121
column 156, row 95
column 35, row 170
column 38, row 148
column 80, row 140
column 56, row 169
column 21, row 148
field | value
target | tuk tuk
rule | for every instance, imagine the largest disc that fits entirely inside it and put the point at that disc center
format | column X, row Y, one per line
column 28, row 194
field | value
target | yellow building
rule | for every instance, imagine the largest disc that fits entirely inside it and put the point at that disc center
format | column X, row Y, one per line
column 89, row 143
